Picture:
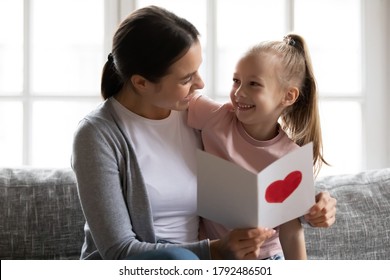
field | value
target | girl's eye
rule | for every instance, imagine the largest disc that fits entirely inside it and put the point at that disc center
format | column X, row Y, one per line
column 236, row 81
column 255, row 84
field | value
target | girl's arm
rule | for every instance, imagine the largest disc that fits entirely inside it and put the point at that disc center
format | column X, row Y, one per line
column 323, row 213
column 241, row 244
column 200, row 110
column 292, row 239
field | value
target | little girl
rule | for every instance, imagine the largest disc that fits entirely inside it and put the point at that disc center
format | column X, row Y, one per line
column 273, row 111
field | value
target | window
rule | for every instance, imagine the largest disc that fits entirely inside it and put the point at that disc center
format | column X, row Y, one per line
column 50, row 76
column 337, row 56
column 51, row 61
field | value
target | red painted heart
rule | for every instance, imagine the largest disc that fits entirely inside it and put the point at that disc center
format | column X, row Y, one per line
column 278, row 191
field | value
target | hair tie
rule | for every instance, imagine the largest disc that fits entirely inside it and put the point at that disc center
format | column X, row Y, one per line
column 110, row 58
column 290, row 41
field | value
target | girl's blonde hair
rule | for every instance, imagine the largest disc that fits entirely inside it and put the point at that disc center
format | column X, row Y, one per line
column 301, row 121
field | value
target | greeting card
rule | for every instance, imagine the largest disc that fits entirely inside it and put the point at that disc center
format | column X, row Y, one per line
column 237, row 198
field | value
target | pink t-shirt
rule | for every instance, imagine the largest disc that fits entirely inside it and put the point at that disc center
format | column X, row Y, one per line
column 224, row 136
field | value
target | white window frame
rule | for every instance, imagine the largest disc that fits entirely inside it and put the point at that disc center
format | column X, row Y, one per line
column 26, row 97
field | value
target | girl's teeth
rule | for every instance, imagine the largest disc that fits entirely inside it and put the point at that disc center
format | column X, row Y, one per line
column 245, row 106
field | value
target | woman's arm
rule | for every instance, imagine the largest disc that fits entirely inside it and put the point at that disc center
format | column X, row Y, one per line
column 97, row 170
column 98, row 164
column 292, row 239
column 99, row 167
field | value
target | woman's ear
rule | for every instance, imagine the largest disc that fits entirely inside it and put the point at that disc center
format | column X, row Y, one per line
column 139, row 83
column 291, row 96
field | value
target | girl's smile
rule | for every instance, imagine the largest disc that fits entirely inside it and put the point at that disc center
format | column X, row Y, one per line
column 244, row 107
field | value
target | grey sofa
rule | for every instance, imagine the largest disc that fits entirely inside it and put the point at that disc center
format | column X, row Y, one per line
column 362, row 228
column 41, row 217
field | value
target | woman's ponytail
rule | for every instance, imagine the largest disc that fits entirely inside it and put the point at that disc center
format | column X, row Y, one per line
column 111, row 81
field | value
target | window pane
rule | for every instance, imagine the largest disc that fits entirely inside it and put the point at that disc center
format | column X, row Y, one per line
column 67, row 46
column 342, row 135
column 192, row 10
column 332, row 29
column 241, row 24
column 11, row 47
column 53, row 126
column 11, row 134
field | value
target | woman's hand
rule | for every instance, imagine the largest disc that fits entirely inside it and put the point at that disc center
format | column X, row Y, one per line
column 323, row 213
column 240, row 244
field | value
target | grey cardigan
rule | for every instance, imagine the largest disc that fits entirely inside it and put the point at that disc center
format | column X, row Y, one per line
column 112, row 191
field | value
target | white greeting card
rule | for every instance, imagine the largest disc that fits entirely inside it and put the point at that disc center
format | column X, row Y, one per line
column 237, row 198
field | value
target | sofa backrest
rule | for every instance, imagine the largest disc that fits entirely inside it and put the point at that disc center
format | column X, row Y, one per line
column 41, row 217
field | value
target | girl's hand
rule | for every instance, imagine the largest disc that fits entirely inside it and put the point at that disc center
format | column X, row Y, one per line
column 240, row 244
column 323, row 213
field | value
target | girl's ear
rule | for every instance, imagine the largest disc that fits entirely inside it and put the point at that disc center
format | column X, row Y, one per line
column 291, row 96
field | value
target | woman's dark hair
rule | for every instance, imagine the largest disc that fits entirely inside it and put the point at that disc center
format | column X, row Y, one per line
column 146, row 43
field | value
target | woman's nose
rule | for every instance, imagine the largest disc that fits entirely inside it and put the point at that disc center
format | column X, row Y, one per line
column 198, row 84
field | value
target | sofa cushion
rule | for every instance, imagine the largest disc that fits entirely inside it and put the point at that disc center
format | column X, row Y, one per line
column 362, row 228
column 41, row 217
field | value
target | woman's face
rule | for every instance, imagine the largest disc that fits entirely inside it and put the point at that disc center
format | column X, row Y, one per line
column 174, row 90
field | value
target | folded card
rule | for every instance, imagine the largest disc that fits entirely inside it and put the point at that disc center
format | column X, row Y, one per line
column 237, row 198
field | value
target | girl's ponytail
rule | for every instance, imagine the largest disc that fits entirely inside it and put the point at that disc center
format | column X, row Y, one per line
column 302, row 119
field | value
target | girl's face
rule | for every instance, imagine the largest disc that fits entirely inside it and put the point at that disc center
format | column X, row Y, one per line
column 257, row 95
column 174, row 91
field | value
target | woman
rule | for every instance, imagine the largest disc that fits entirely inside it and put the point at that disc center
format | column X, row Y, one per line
column 134, row 156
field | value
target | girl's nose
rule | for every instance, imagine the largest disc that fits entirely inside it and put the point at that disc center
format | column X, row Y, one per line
column 239, row 92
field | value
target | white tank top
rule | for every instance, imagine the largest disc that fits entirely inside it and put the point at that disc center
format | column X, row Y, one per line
column 166, row 152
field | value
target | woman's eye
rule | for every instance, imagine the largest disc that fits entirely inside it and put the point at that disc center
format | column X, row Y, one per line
column 187, row 80
column 236, row 81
